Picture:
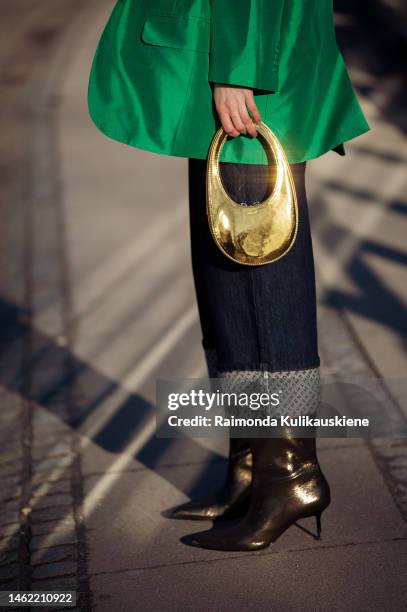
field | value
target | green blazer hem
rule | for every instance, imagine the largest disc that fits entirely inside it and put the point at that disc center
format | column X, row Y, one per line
column 257, row 156
column 153, row 72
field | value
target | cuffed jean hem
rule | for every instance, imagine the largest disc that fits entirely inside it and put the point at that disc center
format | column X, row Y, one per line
column 299, row 391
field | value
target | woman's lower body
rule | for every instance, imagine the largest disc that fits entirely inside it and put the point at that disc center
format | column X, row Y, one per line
column 258, row 328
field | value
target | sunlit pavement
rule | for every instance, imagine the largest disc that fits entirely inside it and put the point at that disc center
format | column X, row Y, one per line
column 94, row 312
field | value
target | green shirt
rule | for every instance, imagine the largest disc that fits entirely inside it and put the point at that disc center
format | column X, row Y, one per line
column 151, row 82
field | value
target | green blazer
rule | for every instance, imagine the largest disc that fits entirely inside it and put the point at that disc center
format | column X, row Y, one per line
column 151, row 81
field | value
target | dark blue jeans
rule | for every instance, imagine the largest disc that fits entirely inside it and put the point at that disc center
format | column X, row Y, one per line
column 261, row 317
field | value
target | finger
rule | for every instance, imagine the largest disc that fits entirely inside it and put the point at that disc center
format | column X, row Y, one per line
column 227, row 124
column 248, row 121
column 237, row 120
column 252, row 106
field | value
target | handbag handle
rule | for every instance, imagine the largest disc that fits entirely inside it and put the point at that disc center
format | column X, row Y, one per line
column 274, row 144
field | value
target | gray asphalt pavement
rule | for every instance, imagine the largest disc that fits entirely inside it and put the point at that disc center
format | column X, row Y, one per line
column 92, row 314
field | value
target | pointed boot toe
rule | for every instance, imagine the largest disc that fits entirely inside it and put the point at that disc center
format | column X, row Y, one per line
column 211, row 539
column 196, row 512
column 231, row 539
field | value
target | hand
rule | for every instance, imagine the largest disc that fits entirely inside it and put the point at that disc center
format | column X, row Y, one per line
column 232, row 104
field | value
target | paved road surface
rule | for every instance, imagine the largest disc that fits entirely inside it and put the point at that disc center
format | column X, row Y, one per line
column 93, row 314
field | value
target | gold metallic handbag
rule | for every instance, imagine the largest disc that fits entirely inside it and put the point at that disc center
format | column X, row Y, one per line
column 262, row 232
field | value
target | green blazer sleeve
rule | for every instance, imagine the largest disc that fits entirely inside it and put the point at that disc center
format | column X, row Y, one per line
column 245, row 43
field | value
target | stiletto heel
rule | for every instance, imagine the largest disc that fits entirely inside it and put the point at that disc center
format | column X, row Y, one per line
column 318, row 522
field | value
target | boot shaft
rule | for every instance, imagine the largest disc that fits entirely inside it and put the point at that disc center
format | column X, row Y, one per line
column 284, row 457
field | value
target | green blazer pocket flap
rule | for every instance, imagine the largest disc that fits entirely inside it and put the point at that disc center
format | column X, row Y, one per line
column 177, row 32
